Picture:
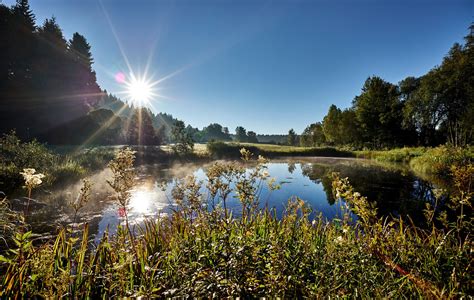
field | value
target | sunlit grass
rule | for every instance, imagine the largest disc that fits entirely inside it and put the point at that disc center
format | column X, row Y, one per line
column 196, row 252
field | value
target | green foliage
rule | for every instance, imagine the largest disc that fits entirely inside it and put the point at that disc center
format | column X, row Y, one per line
column 439, row 160
column 196, row 252
column 378, row 111
column 252, row 137
column 402, row 155
column 240, row 134
column 140, row 129
column 214, row 132
column 433, row 109
column 232, row 150
column 292, row 138
column 313, row 136
column 183, row 142
column 16, row 155
column 340, row 127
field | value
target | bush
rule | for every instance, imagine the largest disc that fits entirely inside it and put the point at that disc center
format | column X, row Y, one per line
column 16, row 155
column 438, row 161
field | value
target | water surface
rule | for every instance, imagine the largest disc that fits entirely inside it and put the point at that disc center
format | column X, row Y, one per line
column 396, row 190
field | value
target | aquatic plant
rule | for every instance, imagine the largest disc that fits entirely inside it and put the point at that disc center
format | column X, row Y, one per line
column 200, row 252
column 82, row 198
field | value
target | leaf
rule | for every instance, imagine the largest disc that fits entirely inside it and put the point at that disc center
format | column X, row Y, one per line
column 4, row 259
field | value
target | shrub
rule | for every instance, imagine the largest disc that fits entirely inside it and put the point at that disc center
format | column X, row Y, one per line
column 438, row 161
column 16, row 155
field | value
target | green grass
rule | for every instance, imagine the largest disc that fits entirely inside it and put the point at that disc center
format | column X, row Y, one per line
column 232, row 150
column 403, row 155
column 439, row 161
column 198, row 253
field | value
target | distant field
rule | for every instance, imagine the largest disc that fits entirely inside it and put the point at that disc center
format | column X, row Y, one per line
column 221, row 150
column 275, row 148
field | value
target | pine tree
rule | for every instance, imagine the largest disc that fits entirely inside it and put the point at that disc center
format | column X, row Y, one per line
column 291, row 137
column 80, row 50
column 23, row 12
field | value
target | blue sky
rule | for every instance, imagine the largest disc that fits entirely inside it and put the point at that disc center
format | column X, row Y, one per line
column 266, row 65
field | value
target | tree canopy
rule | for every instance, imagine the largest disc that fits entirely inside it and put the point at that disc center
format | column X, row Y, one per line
column 435, row 108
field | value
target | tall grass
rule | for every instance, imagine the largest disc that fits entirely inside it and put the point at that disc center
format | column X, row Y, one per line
column 403, row 155
column 232, row 150
column 197, row 252
column 439, row 160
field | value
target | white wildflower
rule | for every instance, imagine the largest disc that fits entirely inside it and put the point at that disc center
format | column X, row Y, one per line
column 339, row 239
column 32, row 180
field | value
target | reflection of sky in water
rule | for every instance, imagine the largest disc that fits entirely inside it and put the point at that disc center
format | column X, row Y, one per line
column 149, row 200
column 304, row 178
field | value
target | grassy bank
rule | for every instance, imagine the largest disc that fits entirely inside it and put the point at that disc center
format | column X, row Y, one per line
column 195, row 252
column 69, row 163
column 56, row 164
column 402, row 155
column 232, row 150
column 435, row 161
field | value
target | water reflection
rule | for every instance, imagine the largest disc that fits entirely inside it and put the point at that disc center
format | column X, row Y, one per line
column 396, row 191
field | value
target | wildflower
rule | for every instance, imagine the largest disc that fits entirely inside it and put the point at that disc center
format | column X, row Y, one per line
column 262, row 160
column 265, row 174
column 313, row 223
column 122, row 212
column 32, row 180
column 339, row 239
column 344, row 230
column 356, row 195
column 245, row 154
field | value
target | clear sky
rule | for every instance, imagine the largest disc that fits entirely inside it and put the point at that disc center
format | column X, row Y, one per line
column 266, row 65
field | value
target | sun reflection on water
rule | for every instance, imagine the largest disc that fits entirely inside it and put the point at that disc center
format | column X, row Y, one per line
column 140, row 202
column 147, row 200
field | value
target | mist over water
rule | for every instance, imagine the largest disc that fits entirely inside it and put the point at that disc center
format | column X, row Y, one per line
column 396, row 191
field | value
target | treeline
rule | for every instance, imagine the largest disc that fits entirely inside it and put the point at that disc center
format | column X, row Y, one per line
column 216, row 132
column 45, row 79
column 49, row 91
column 433, row 109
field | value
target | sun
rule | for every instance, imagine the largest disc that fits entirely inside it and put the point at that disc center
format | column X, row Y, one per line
column 139, row 90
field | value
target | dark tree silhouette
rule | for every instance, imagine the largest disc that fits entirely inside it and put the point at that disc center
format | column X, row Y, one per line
column 292, row 137
column 252, row 137
column 240, row 134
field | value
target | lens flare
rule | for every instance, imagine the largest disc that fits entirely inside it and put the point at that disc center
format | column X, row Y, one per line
column 139, row 91
column 120, row 77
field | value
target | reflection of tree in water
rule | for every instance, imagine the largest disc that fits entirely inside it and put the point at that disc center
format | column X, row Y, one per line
column 320, row 174
column 396, row 192
column 291, row 167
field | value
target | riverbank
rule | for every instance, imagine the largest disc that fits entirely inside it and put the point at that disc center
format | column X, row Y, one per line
column 196, row 252
column 435, row 161
column 74, row 162
column 232, row 150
